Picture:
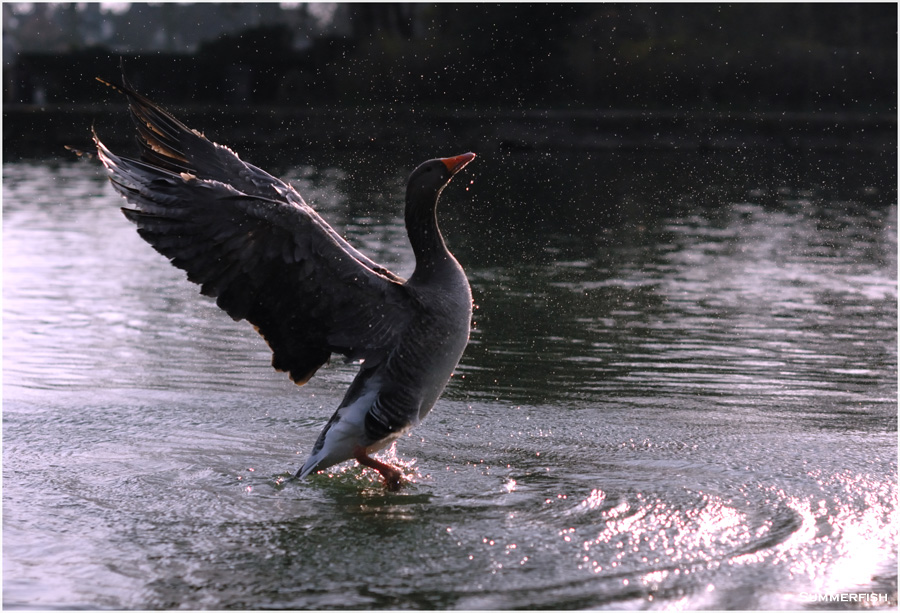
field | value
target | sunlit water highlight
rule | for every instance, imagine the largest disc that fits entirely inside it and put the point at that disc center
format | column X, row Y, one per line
column 692, row 410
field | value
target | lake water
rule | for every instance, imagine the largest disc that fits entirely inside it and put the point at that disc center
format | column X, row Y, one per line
column 681, row 392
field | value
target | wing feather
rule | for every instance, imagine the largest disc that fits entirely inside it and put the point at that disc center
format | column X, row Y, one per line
column 167, row 143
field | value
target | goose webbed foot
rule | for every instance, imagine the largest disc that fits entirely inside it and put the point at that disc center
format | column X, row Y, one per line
column 392, row 476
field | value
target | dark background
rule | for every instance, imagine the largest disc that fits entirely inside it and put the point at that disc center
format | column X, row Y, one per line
column 802, row 57
column 594, row 65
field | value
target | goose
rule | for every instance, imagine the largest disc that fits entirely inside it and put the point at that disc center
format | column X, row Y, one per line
column 250, row 241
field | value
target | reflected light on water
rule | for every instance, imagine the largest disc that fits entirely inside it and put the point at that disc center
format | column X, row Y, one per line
column 661, row 543
column 646, row 533
column 863, row 533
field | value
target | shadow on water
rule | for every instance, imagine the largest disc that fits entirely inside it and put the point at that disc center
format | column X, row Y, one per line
column 680, row 392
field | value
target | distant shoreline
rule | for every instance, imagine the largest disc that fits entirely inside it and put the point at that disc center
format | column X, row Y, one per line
column 36, row 130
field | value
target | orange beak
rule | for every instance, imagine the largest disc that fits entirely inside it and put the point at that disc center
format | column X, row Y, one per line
column 455, row 164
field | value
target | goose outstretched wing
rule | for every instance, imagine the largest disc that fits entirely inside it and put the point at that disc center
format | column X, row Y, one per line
column 249, row 240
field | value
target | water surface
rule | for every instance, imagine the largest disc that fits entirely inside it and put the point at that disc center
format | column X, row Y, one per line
column 680, row 393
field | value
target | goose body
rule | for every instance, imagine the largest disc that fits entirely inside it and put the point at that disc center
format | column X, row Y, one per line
column 251, row 241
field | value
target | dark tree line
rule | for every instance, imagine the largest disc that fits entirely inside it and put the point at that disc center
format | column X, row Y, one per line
column 807, row 57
